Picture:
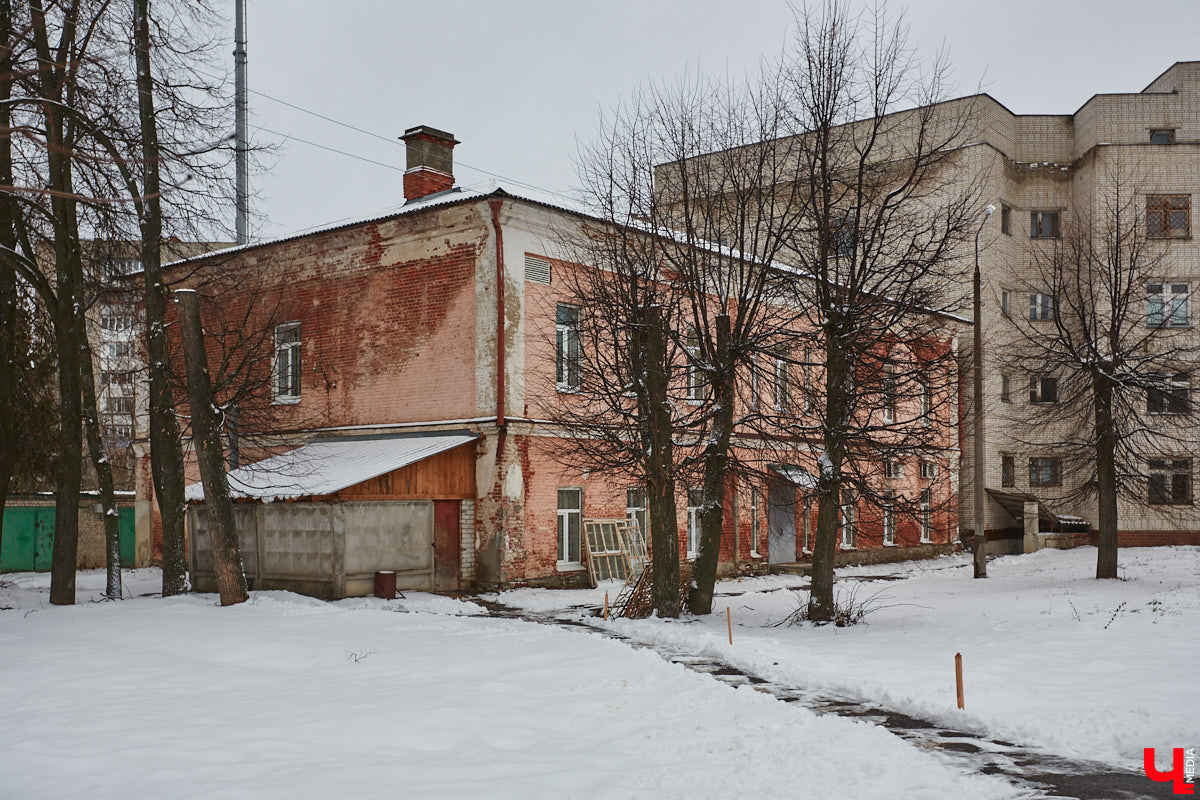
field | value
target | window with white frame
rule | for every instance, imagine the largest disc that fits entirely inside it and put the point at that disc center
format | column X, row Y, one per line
column 889, row 519
column 1041, row 307
column 755, row 525
column 287, row 362
column 115, row 320
column 570, row 523
column 926, row 403
column 893, row 468
column 1043, row 389
column 926, row 516
column 782, row 389
column 635, row 509
column 754, row 391
column 807, row 525
column 118, row 351
column 697, row 385
column 847, row 521
column 1170, row 481
column 928, row 469
column 1169, row 394
column 889, row 393
column 1167, row 304
column 566, row 348
column 695, row 501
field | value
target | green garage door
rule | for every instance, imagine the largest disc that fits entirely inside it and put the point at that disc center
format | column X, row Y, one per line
column 28, row 539
column 127, row 536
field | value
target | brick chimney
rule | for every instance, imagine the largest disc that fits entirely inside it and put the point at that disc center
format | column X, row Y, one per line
column 430, row 161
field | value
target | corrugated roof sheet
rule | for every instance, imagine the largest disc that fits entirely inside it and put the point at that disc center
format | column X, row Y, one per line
column 798, row 476
column 325, row 467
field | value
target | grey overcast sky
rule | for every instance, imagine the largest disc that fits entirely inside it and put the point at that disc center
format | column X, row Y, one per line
column 521, row 82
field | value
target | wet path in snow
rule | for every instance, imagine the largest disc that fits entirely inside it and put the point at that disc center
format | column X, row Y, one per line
column 1039, row 774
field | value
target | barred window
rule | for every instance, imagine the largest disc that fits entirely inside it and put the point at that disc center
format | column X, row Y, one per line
column 1168, row 216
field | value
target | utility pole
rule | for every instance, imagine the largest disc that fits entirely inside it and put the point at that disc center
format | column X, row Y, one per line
column 980, row 536
column 242, row 200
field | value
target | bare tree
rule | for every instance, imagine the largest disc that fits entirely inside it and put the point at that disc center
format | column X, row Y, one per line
column 887, row 211
column 1110, row 355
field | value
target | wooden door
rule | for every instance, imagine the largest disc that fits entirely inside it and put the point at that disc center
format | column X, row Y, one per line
column 447, row 544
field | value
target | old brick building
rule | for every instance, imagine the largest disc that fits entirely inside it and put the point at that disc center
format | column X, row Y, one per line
column 442, row 319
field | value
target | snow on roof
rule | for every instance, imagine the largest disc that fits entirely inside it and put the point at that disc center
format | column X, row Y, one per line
column 328, row 466
column 799, row 476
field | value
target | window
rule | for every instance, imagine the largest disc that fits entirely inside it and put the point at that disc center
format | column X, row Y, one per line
column 893, row 469
column 754, row 394
column 635, row 509
column 697, row 386
column 889, row 519
column 1008, row 471
column 695, row 499
column 806, row 525
column 755, row 528
column 1162, row 136
column 1045, row 471
column 1005, row 302
column 782, row 390
column 570, row 522
column 118, row 433
column 1043, row 389
column 926, row 516
column 1005, row 219
column 926, row 403
column 843, row 240
column 1167, row 304
column 928, row 469
column 847, row 519
column 119, row 404
column 1043, row 224
column 1170, row 482
column 889, row 394
column 1041, row 307
column 566, row 348
column 287, row 362
column 1169, row 395
column 119, row 267
column 119, row 350
column 1168, row 216
column 806, row 378
column 112, row 320
column 1005, row 389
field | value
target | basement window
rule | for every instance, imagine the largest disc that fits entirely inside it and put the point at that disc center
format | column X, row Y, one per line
column 1162, row 136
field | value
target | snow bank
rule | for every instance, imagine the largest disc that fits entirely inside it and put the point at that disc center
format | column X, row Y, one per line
column 286, row 696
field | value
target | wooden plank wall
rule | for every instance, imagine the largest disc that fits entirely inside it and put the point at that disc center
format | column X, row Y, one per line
column 446, row 476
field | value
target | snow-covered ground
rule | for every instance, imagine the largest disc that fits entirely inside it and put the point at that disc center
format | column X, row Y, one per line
column 1053, row 658
column 291, row 697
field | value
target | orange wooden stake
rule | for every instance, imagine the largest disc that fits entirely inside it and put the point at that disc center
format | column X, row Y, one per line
column 729, row 622
column 958, row 677
column 606, row 605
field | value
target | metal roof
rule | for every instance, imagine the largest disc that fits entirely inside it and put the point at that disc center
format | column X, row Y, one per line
column 328, row 466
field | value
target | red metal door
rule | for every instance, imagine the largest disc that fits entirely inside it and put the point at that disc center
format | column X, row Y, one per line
column 446, row 544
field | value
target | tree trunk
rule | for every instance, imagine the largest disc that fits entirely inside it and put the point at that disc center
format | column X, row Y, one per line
column 716, row 466
column 8, row 278
column 166, row 453
column 108, row 499
column 68, row 268
column 660, row 472
column 1106, row 479
column 206, row 434
column 829, row 484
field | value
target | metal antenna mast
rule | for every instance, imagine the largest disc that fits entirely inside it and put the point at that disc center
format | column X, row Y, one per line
column 242, row 200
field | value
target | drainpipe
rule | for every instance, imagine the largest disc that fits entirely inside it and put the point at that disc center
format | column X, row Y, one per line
column 495, row 204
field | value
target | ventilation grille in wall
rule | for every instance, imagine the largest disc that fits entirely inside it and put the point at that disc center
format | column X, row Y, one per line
column 537, row 270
